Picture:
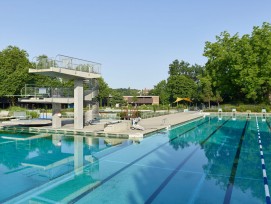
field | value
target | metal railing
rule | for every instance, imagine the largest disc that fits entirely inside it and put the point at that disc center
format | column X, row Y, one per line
column 46, row 92
column 66, row 62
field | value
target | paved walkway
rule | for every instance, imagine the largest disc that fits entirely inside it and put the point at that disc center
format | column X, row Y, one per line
column 162, row 122
column 149, row 125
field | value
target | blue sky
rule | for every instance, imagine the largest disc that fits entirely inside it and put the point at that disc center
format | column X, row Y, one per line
column 135, row 40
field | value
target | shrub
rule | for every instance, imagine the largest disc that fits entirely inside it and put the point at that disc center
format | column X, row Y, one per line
column 154, row 107
column 33, row 114
column 241, row 108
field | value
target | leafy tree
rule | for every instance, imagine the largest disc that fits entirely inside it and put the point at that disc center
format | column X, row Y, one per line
column 117, row 98
column 217, row 98
column 179, row 68
column 104, row 91
column 222, row 59
column 39, row 80
column 180, row 86
column 261, row 60
column 128, row 91
column 184, row 68
column 240, row 67
column 134, row 99
column 14, row 65
column 161, row 90
column 206, row 90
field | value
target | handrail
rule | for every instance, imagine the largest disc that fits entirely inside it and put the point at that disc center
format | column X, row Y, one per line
column 67, row 62
column 46, row 92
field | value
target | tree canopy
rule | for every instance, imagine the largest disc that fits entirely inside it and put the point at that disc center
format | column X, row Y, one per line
column 240, row 67
column 14, row 65
column 182, row 82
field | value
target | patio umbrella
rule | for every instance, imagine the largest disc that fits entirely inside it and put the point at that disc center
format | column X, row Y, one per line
column 182, row 99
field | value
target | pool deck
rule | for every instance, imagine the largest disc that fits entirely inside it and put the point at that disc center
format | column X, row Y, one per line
column 150, row 125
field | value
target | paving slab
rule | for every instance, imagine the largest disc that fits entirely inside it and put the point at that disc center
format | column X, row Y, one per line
column 150, row 125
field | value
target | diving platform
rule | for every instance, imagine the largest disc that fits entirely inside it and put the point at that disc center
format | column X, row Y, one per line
column 66, row 67
column 65, row 73
column 70, row 68
column 47, row 100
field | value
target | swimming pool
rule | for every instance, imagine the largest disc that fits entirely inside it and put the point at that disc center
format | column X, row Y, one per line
column 203, row 161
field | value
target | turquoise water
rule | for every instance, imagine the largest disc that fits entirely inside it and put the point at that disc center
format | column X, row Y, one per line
column 204, row 161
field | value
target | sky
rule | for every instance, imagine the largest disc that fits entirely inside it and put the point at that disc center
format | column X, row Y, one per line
column 134, row 40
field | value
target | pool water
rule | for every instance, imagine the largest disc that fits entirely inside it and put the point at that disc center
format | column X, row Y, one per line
column 203, row 161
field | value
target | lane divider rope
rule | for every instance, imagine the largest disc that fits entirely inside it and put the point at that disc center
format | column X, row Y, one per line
column 266, row 188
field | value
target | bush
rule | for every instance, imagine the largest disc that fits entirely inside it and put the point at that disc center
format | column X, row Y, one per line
column 144, row 107
column 16, row 108
column 154, row 107
column 33, row 114
column 241, row 108
column 253, row 108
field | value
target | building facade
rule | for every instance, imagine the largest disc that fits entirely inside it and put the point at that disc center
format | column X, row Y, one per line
column 141, row 100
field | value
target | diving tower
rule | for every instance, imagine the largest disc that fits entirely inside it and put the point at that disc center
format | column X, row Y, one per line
column 70, row 68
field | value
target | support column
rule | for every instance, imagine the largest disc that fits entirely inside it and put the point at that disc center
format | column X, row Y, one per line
column 56, row 117
column 78, row 104
column 95, row 106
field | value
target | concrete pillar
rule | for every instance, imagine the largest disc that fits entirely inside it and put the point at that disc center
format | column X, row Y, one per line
column 95, row 106
column 78, row 104
column 56, row 117
column 78, row 154
column 90, row 141
column 92, row 103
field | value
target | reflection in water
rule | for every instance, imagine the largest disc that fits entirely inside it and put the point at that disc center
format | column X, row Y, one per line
column 54, row 157
column 78, row 154
column 220, row 152
column 72, row 166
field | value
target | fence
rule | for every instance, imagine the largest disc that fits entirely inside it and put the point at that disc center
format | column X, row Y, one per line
column 66, row 62
column 46, row 92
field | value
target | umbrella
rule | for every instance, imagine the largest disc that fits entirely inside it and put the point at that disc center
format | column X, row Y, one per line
column 182, row 99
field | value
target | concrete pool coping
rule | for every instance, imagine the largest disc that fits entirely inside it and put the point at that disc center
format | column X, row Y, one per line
column 150, row 125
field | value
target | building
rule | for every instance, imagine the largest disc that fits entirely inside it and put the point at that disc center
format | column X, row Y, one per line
column 141, row 100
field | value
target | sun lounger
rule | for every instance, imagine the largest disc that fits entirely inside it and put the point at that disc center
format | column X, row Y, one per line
column 137, row 127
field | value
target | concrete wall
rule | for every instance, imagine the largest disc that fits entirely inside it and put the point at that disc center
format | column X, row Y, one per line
column 118, row 127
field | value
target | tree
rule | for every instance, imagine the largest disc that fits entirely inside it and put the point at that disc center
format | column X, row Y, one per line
column 43, row 61
column 117, row 98
column 161, row 90
column 206, row 90
column 222, row 60
column 217, row 98
column 240, row 67
column 14, row 65
column 127, row 91
column 103, row 91
column 180, row 86
column 134, row 99
column 178, row 68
